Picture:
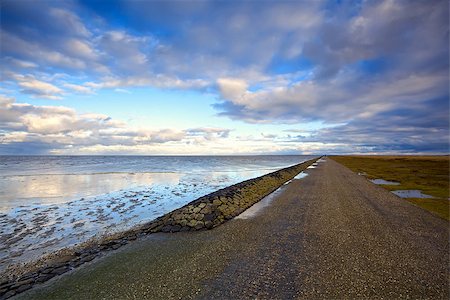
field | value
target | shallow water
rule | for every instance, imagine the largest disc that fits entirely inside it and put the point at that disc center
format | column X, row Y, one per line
column 48, row 203
column 411, row 194
column 384, row 182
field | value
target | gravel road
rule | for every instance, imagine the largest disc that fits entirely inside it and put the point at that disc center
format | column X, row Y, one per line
column 332, row 234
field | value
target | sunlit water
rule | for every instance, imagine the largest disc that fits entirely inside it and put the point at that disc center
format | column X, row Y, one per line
column 48, row 203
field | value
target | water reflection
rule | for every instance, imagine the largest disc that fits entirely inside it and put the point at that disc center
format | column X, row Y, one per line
column 411, row 194
column 57, row 189
column 384, row 182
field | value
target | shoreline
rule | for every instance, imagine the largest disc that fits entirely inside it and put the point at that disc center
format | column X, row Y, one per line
column 204, row 213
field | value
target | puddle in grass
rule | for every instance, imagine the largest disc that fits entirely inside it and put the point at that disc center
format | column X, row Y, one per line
column 384, row 182
column 411, row 194
column 256, row 208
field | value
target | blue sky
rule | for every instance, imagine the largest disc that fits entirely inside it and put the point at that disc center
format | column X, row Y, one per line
column 224, row 77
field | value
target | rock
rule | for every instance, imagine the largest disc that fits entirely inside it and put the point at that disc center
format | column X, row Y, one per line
column 156, row 229
column 28, row 276
column 61, row 270
column 9, row 294
column 21, row 283
column 199, row 217
column 44, row 277
column 176, row 228
column 209, row 217
column 87, row 258
column 131, row 237
column 199, row 225
column 192, row 223
column 183, row 223
column 23, row 288
column 217, row 202
column 47, row 270
column 184, row 228
column 6, row 286
column 3, row 282
column 196, row 210
column 116, row 246
column 206, row 210
column 209, row 224
column 201, row 205
column 166, row 228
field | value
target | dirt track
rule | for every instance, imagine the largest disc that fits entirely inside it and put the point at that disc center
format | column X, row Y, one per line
column 332, row 234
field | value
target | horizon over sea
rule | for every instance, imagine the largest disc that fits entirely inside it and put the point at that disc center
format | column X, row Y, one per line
column 49, row 202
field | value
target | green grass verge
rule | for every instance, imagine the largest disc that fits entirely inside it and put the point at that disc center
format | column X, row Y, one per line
column 430, row 174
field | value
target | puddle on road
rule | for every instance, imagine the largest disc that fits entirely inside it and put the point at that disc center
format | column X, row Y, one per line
column 301, row 175
column 256, row 208
column 384, row 182
column 411, row 194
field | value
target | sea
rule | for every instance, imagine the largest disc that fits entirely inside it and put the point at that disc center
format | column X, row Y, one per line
column 48, row 203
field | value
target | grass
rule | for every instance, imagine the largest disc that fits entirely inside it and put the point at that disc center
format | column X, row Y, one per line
column 430, row 174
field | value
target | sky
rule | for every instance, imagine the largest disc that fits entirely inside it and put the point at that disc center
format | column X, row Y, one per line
column 224, row 77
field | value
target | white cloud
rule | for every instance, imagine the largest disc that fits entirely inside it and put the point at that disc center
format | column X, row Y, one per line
column 159, row 81
column 64, row 128
column 79, row 88
column 80, row 48
column 38, row 88
column 122, row 91
column 233, row 89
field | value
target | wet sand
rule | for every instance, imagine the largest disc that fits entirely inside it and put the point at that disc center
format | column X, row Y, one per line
column 332, row 234
column 46, row 221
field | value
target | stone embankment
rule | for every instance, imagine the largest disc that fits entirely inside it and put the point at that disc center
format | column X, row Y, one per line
column 201, row 214
column 216, row 208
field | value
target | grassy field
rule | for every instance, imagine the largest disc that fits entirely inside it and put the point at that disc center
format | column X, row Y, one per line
column 430, row 174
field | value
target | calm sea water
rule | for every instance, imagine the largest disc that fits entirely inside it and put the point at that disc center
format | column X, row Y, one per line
column 51, row 202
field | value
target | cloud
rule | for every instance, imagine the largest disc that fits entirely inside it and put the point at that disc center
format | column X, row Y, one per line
column 66, row 130
column 232, row 89
column 122, row 91
column 38, row 88
column 209, row 133
column 159, row 81
column 79, row 88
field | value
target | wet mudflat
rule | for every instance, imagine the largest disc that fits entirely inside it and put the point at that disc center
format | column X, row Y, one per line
column 332, row 234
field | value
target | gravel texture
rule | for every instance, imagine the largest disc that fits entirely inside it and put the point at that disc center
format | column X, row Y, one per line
column 330, row 235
